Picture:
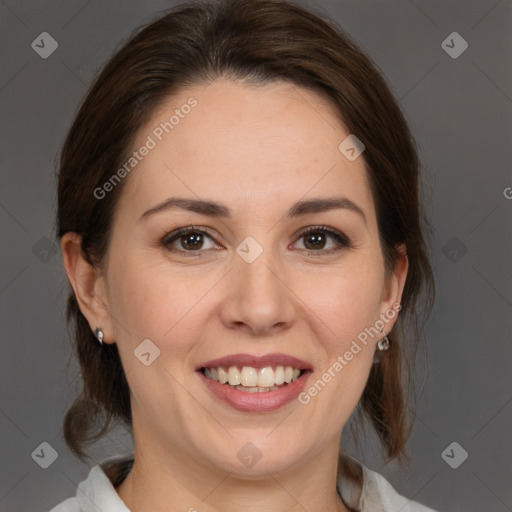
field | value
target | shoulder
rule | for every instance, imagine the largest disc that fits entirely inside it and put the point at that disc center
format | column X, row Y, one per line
column 69, row 505
column 379, row 491
column 97, row 491
column 373, row 492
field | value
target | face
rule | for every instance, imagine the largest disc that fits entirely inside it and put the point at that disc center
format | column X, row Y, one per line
column 257, row 284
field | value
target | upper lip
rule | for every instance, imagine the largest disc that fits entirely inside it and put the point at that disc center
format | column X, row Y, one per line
column 257, row 361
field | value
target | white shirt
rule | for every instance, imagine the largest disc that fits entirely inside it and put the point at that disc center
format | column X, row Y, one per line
column 97, row 492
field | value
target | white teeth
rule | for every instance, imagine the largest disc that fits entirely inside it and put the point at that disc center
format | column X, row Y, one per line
column 233, row 376
column 266, row 377
column 223, row 376
column 252, row 379
column 249, row 377
column 279, row 376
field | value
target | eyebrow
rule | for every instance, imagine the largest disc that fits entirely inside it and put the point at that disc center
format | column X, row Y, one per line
column 214, row 209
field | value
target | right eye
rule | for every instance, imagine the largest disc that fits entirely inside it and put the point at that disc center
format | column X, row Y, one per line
column 190, row 239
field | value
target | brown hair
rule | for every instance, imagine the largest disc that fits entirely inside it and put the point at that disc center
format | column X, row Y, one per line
column 259, row 41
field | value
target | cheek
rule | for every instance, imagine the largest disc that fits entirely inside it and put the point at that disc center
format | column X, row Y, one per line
column 347, row 300
column 151, row 301
column 140, row 301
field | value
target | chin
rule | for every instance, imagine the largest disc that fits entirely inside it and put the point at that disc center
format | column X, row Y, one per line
column 253, row 457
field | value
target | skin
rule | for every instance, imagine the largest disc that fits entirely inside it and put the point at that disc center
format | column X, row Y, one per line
column 257, row 150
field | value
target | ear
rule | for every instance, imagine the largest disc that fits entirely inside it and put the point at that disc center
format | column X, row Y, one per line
column 394, row 287
column 88, row 284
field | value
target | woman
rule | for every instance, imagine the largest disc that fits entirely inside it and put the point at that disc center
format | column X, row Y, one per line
column 240, row 225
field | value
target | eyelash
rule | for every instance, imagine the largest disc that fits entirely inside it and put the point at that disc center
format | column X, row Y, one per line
column 342, row 241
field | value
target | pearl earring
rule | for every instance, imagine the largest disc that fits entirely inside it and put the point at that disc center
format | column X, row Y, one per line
column 383, row 344
column 99, row 334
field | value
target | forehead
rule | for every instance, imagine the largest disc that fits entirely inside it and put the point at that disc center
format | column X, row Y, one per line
column 243, row 145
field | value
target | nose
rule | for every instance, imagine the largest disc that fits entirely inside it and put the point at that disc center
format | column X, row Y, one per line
column 258, row 300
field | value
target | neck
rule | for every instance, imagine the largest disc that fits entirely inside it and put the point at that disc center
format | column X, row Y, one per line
column 159, row 483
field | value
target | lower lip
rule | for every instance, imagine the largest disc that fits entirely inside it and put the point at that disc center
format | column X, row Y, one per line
column 263, row 401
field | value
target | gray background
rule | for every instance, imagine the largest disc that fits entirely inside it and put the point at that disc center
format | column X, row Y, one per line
column 460, row 112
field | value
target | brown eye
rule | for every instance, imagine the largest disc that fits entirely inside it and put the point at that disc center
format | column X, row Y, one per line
column 316, row 239
column 191, row 241
column 187, row 239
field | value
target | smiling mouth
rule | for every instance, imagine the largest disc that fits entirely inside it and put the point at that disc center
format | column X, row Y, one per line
column 253, row 380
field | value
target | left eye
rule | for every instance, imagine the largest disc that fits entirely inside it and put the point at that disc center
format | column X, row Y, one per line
column 317, row 236
column 193, row 239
